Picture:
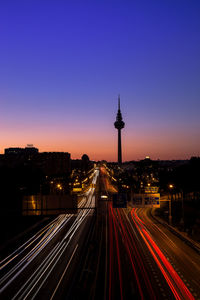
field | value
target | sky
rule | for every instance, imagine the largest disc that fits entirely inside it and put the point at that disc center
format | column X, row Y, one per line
column 63, row 64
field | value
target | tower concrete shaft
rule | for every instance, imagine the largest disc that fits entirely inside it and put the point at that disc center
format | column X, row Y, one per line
column 119, row 124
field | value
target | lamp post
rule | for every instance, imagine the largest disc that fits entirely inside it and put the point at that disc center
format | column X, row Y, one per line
column 183, row 217
column 170, row 205
column 41, row 199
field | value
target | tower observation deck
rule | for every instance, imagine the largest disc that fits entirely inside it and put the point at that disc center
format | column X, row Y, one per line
column 119, row 124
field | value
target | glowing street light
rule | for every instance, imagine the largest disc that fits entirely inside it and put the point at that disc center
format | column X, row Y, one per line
column 171, row 186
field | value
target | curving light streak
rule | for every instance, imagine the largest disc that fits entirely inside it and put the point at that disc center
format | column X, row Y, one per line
column 42, row 272
column 133, row 252
column 175, row 283
column 24, row 246
column 118, row 253
column 46, row 230
column 63, row 274
column 110, row 252
column 66, row 240
column 25, row 261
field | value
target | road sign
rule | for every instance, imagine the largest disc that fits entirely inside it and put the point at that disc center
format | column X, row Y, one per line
column 120, row 200
column 146, row 200
column 78, row 189
column 151, row 189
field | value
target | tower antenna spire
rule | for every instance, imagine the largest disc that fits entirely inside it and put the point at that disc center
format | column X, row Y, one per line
column 119, row 102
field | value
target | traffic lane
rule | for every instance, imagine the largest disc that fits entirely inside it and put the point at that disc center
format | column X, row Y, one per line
column 173, row 279
column 98, row 265
column 172, row 241
column 18, row 279
column 39, row 237
column 183, row 258
column 35, row 287
column 140, row 276
column 113, row 286
column 121, row 283
column 132, row 266
column 22, row 267
column 9, row 246
column 152, row 283
column 30, row 247
column 62, row 282
column 81, row 223
column 115, row 258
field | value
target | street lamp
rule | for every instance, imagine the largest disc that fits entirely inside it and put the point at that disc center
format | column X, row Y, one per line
column 171, row 186
column 183, row 217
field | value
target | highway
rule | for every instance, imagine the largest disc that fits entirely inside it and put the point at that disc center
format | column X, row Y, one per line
column 184, row 259
column 40, row 267
column 141, row 259
column 102, row 253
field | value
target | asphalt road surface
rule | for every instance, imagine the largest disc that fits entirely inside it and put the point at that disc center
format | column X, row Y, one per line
column 140, row 259
column 39, row 268
column 102, row 253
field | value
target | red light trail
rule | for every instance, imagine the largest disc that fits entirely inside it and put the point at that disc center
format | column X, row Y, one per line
column 130, row 240
column 175, row 283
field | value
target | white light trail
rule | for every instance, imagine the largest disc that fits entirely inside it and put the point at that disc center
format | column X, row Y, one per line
column 37, row 244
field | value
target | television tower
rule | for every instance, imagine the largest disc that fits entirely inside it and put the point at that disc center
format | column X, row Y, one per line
column 119, row 124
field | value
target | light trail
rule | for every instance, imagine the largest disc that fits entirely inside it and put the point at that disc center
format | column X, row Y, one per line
column 62, row 248
column 181, row 255
column 106, row 253
column 28, row 243
column 64, row 272
column 175, row 283
column 118, row 252
column 109, row 237
column 42, row 272
column 48, row 228
column 110, row 253
column 11, row 275
column 133, row 252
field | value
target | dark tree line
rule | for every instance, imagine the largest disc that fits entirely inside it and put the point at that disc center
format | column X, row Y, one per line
column 185, row 177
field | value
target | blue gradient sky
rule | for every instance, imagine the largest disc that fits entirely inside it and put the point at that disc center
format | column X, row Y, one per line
column 63, row 63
